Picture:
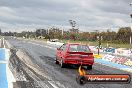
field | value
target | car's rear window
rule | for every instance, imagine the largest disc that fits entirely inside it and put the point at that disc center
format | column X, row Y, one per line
column 79, row 48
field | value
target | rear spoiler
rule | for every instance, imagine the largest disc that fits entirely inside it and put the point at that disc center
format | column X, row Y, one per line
column 84, row 53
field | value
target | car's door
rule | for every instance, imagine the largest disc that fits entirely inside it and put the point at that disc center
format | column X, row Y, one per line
column 58, row 53
column 61, row 51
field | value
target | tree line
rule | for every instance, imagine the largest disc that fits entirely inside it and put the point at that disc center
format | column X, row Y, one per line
column 121, row 36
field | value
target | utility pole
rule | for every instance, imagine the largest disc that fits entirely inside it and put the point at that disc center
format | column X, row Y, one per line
column 130, row 40
column 41, row 30
column 131, row 28
column 62, row 31
column 99, row 40
column 48, row 34
column 131, row 32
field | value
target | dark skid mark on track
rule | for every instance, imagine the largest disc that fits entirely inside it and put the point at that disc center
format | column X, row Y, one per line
column 18, row 66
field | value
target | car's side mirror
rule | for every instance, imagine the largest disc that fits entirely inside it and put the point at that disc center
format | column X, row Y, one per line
column 58, row 48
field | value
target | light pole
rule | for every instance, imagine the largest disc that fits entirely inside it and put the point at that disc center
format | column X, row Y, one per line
column 99, row 43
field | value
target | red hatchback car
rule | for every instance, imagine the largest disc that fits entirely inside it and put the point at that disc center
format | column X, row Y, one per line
column 75, row 54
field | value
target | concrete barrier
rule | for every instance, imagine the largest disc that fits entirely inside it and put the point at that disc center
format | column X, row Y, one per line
column 117, row 59
column 109, row 50
column 108, row 57
column 6, row 76
column 123, row 52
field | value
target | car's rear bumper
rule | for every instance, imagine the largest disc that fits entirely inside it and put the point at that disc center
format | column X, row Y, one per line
column 79, row 61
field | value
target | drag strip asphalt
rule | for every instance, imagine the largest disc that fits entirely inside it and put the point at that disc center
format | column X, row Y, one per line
column 44, row 73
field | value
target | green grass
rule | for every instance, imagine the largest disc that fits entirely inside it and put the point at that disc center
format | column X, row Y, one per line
column 96, row 43
column 128, row 46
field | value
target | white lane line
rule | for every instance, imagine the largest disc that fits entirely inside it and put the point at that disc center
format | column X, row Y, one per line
column 7, row 54
column 53, row 84
column 3, row 62
column 10, row 77
column 4, row 42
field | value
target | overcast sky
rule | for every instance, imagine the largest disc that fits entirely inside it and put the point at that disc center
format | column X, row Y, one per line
column 18, row 15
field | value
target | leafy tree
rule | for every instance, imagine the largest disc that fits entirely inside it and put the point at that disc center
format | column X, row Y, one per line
column 123, row 35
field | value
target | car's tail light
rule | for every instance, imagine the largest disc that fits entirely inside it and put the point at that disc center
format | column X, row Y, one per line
column 90, row 55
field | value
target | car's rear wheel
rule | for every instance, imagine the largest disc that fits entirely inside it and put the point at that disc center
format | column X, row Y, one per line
column 89, row 67
column 56, row 61
column 62, row 64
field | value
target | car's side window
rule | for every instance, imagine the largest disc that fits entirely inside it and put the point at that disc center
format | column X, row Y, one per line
column 63, row 47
